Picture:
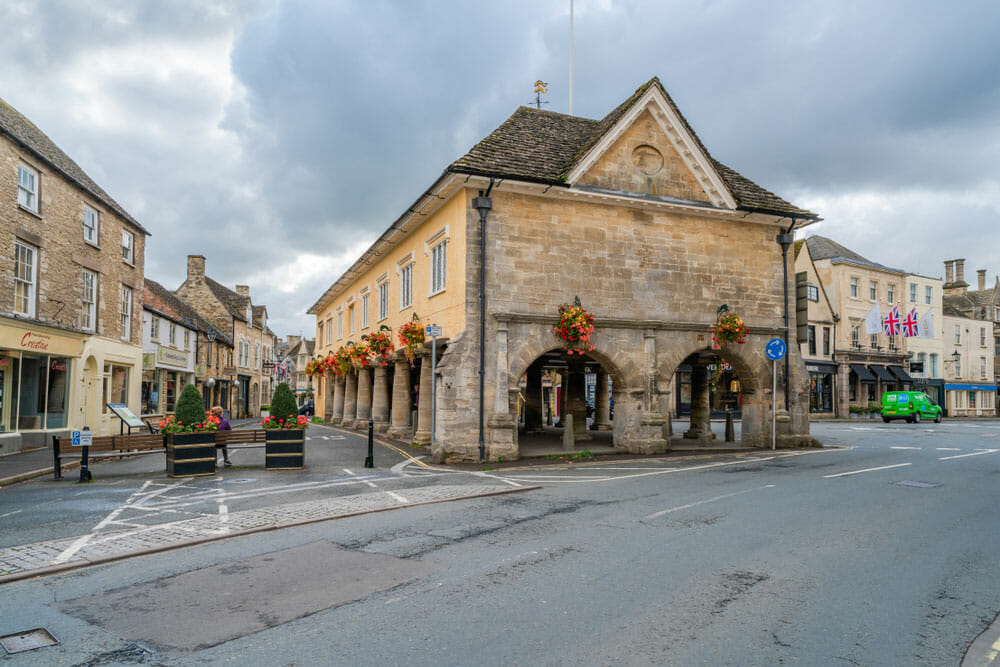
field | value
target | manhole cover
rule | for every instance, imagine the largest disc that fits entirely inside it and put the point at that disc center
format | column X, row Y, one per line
column 25, row 641
column 919, row 485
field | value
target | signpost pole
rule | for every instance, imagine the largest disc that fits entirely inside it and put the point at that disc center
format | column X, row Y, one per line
column 86, row 438
column 774, row 404
column 433, row 331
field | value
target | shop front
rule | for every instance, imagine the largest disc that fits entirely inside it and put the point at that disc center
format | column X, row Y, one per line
column 37, row 368
column 821, row 390
column 970, row 400
column 165, row 371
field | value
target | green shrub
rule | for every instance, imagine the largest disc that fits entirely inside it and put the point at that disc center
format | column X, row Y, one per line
column 317, row 420
column 283, row 404
column 190, row 406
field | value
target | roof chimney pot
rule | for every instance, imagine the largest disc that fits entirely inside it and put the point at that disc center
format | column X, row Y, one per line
column 982, row 279
column 196, row 266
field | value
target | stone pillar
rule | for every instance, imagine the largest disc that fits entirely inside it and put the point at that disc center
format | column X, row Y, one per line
column 602, row 409
column 364, row 409
column 533, row 400
column 423, row 432
column 400, row 409
column 328, row 398
column 350, row 399
column 576, row 400
column 380, row 399
column 338, row 400
column 701, row 427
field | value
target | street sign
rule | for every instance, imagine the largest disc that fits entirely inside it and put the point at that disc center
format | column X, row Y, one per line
column 433, row 331
column 775, row 349
column 82, row 438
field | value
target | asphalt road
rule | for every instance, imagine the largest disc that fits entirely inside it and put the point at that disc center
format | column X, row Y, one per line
column 880, row 552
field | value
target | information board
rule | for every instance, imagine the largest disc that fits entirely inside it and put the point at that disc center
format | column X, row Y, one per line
column 126, row 415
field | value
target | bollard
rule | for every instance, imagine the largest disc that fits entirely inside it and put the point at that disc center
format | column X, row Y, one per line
column 730, row 430
column 370, row 461
column 568, row 441
column 85, row 475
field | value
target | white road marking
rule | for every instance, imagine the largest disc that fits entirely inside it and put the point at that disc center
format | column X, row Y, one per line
column 398, row 497
column 949, row 449
column 498, row 478
column 9, row 513
column 898, row 447
column 855, row 472
column 962, row 456
column 707, row 500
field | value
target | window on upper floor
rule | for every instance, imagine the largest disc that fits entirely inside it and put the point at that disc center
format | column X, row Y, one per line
column 27, row 187
column 982, row 367
column 340, row 325
column 855, row 282
column 350, row 320
column 406, row 286
column 928, row 294
column 439, row 262
column 25, row 278
column 826, row 341
column 856, row 337
column 811, row 336
column 319, row 333
column 893, row 342
column 958, row 334
column 934, row 365
column 812, row 292
column 329, row 330
column 982, row 336
column 256, row 355
column 154, row 328
column 383, row 301
column 913, row 292
column 187, row 339
column 172, row 334
column 872, row 290
column 90, row 225
column 126, row 312
column 128, row 247
column 873, row 341
column 88, row 311
column 890, row 294
column 364, row 311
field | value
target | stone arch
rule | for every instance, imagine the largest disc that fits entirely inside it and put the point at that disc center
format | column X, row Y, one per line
column 91, row 379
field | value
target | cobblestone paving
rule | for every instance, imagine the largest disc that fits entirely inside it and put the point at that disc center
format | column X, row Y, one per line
column 19, row 561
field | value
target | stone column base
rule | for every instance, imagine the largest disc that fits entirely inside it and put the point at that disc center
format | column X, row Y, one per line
column 422, row 438
column 653, row 441
column 335, row 421
column 381, row 427
column 400, row 433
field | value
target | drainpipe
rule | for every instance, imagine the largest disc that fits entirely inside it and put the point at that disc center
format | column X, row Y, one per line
column 786, row 239
column 482, row 203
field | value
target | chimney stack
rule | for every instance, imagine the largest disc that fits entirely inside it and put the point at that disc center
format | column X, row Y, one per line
column 949, row 271
column 982, row 279
column 196, row 266
column 960, row 270
column 243, row 290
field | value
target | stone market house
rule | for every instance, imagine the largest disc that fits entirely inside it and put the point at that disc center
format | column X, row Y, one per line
column 629, row 213
column 71, row 277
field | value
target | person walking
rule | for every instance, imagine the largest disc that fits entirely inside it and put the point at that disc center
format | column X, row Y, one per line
column 223, row 426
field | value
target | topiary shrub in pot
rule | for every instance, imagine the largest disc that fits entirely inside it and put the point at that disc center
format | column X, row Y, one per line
column 285, row 430
column 190, row 437
column 283, row 405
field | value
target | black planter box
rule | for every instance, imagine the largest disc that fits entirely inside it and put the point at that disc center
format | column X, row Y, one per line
column 284, row 449
column 191, row 454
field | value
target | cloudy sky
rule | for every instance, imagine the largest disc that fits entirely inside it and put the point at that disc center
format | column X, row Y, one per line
column 280, row 138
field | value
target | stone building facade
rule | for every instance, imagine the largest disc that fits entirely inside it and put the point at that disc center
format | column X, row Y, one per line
column 819, row 346
column 630, row 214
column 244, row 382
column 971, row 341
column 71, row 281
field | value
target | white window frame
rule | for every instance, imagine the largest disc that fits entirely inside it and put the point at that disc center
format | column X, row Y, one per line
column 982, row 336
column 128, row 247
column 329, row 331
column 256, row 355
column 340, row 324
column 154, row 328
column 913, row 292
column 365, row 314
column 855, row 287
column 187, row 339
column 439, row 267
column 383, row 300
column 890, row 294
column 88, row 298
column 27, row 187
column 873, row 290
column 350, row 319
column 172, row 334
column 91, row 225
column 812, row 293
column 928, row 294
column 126, row 312
column 26, row 280
column 958, row 334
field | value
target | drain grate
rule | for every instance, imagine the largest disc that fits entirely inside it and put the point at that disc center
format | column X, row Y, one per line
column 919, row 485
column 25, row 641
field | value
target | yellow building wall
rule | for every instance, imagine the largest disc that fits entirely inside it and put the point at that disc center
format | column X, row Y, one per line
column 445, row 308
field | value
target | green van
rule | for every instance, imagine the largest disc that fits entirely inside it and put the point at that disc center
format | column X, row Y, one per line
column 909, row 405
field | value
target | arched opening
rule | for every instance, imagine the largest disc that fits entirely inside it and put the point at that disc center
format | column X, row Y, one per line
column 560, row 391
column 707, row 390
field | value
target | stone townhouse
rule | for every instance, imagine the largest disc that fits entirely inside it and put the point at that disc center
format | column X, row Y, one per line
column 71, row 275
column 298, row 352
column 817, row 349
column 867, row 364
column 179, row 347
column 243, row 381
column 630, row 214
column 971, row 340
column 926, row 355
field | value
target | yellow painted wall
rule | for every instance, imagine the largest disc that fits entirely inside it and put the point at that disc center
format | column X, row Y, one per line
column 446, row 308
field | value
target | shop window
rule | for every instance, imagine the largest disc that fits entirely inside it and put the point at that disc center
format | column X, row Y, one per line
column 115, row 385
column 57, row 398
column 10, row 370
column 151, row 380
column 170, row 390
column 972, row 399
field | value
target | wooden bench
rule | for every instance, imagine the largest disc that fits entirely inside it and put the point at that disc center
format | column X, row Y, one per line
column 240, row 436
column 104, row 446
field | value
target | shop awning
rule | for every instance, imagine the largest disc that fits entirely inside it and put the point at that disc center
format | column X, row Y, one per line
column 862, row 373
column 883, row 374
column 901, row 374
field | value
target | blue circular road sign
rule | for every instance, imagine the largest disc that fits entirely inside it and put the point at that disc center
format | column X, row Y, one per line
column 775, row 349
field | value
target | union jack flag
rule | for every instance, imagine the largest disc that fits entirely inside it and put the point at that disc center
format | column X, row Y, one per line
column 910, row 324
column 890, row 325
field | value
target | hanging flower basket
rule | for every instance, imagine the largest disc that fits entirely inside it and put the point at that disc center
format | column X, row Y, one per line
column 575, row 328
column 341, row 361
column 360, row 355
column 729, row 329
column 314, row 367
column 380, row 346
column 411, row 336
